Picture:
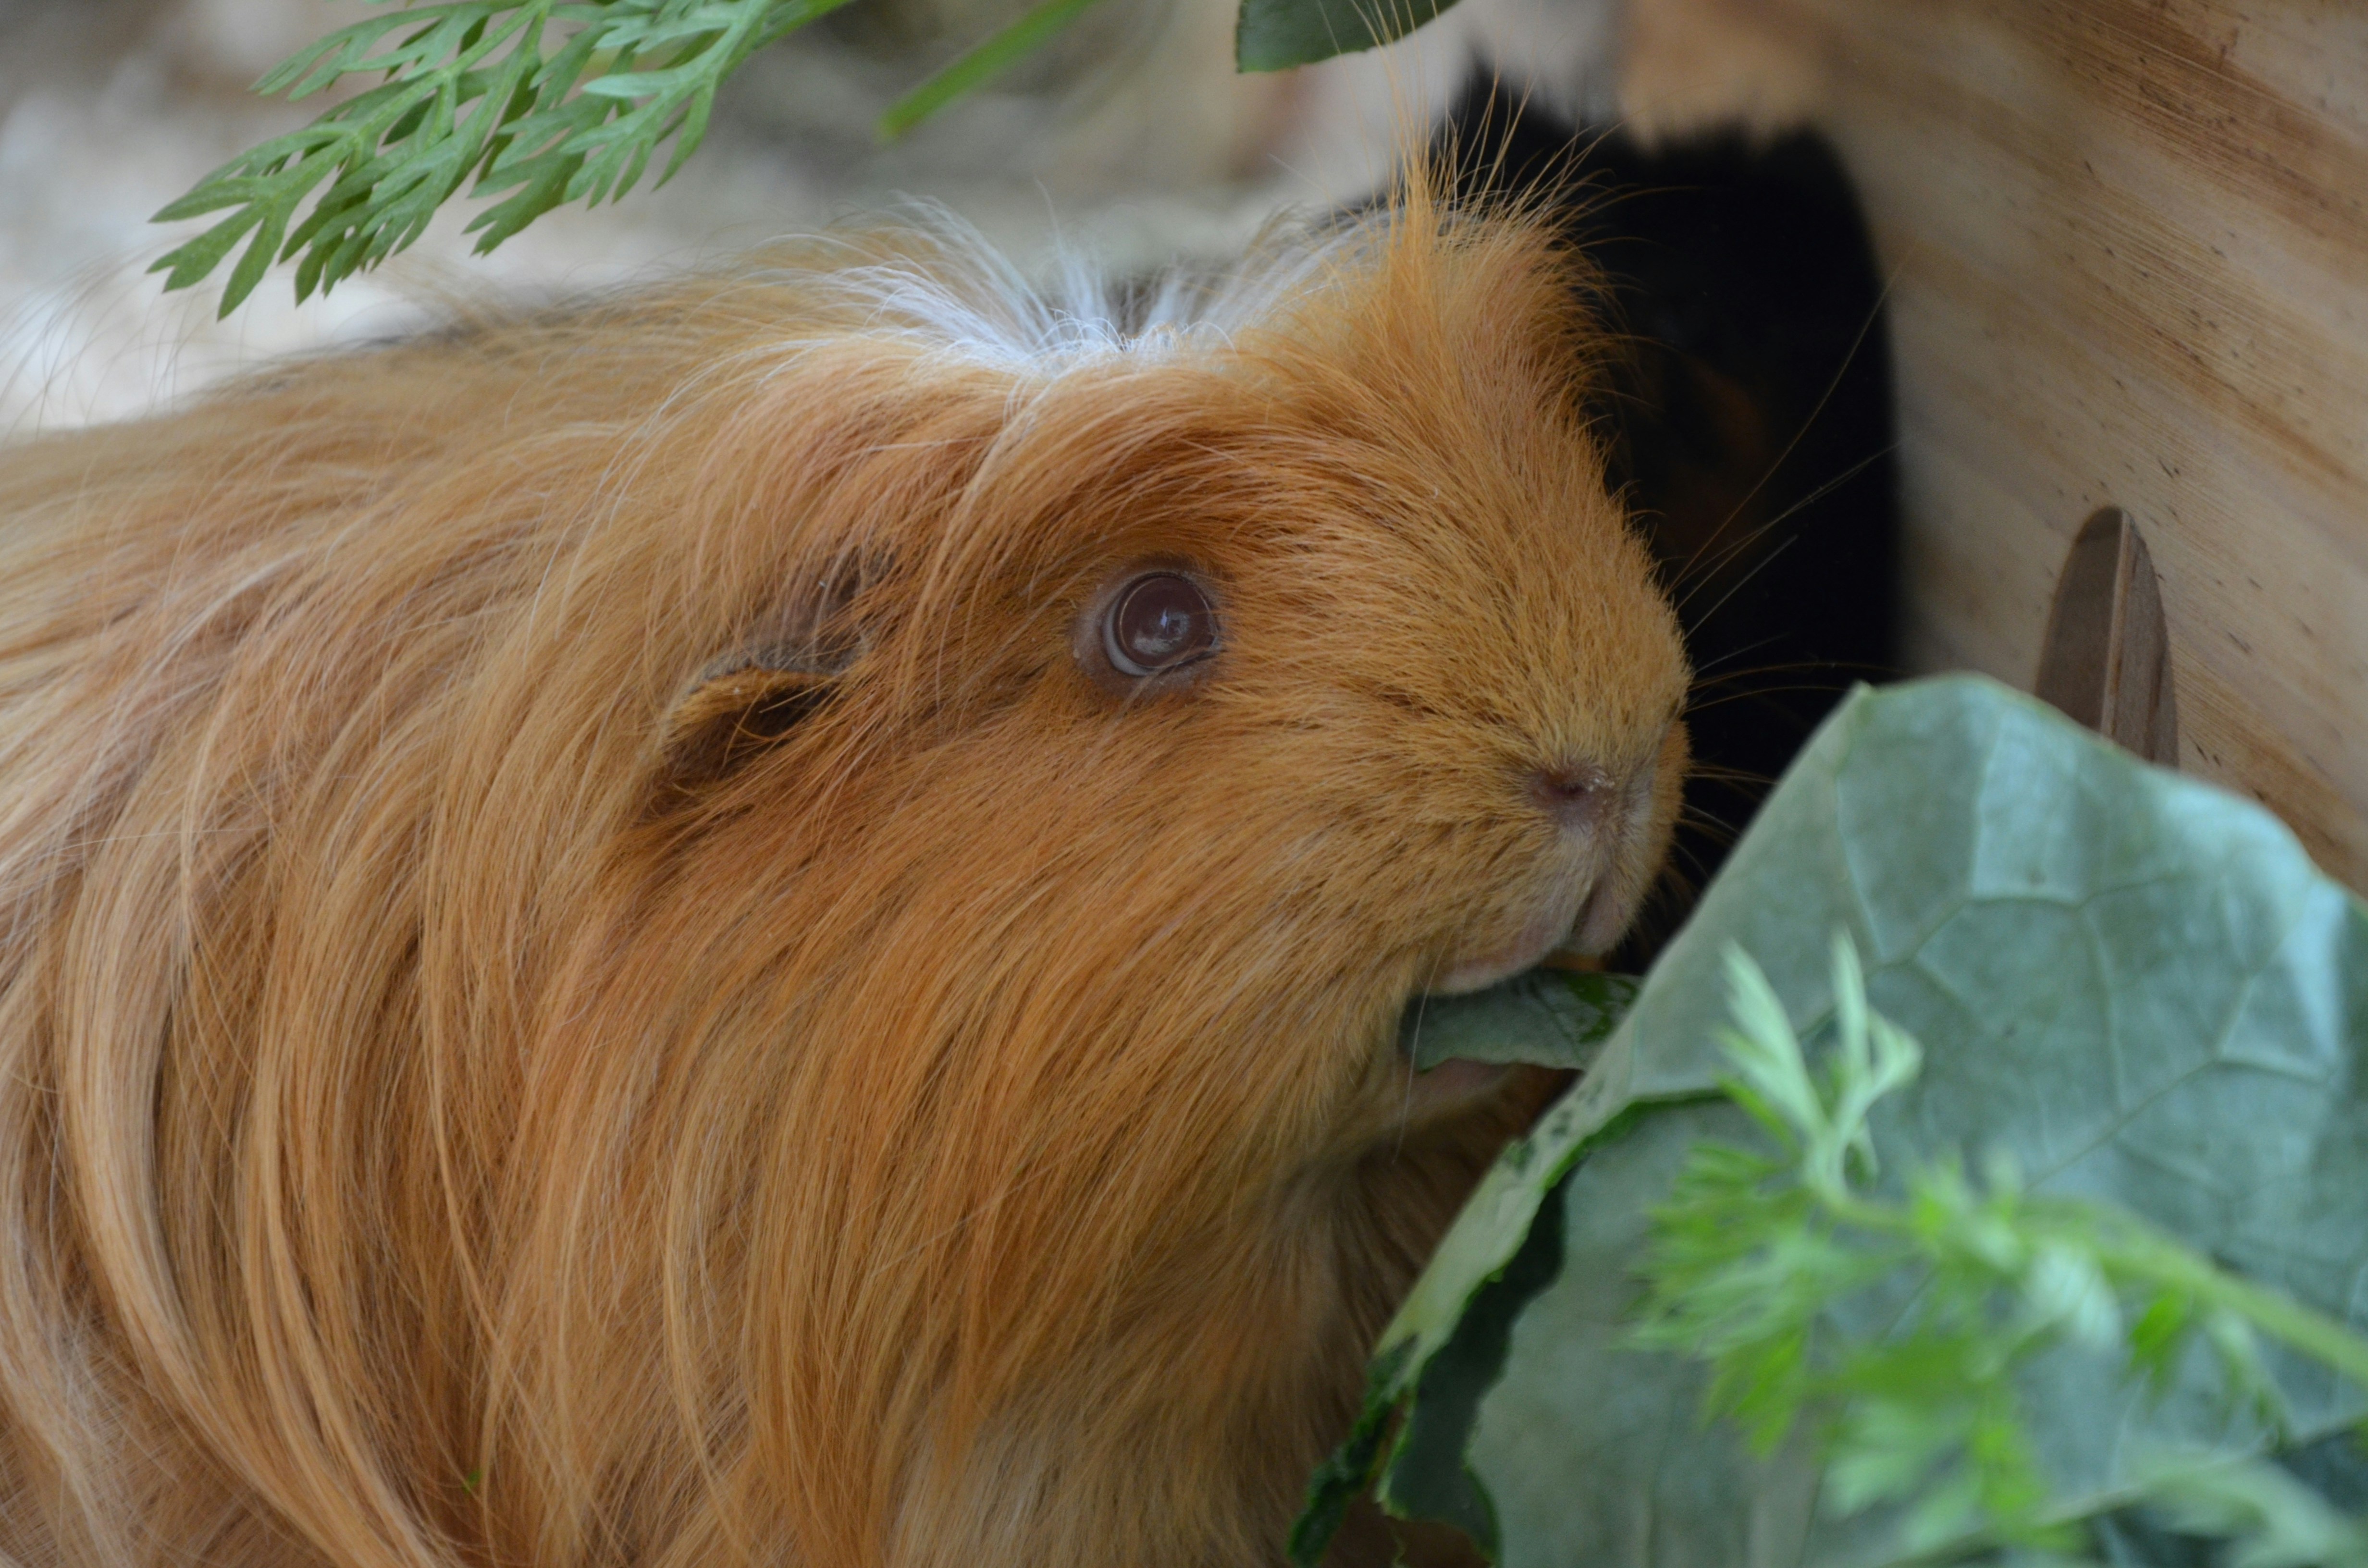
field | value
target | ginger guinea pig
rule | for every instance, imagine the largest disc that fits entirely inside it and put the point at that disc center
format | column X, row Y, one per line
column 764, row 924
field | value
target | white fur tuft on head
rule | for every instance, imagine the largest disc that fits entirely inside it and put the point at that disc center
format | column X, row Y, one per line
column 952, row 289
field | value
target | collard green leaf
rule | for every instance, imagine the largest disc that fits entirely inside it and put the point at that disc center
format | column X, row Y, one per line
column 1274, row 35
column 2135, row 987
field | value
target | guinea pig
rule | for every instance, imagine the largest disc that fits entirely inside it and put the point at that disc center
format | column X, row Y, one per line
column 764, row 921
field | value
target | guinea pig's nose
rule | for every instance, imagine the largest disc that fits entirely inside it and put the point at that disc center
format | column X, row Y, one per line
column 1574, row 795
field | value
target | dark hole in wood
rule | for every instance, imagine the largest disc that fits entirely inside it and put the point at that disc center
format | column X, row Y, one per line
column 2106, row 660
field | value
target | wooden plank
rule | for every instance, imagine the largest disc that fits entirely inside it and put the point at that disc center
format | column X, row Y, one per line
column 2129, row 245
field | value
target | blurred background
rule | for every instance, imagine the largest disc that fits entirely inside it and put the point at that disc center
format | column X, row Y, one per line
column 1131, row 138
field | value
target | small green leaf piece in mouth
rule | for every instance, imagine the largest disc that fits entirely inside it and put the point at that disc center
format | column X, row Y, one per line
column 1549, row 1017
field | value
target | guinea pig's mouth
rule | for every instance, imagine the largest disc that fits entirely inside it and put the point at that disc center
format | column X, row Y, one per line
column 1584, row 920
column 1592, row 885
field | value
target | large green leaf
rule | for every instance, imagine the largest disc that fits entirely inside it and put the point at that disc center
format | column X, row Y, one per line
column 1274, row 35
column 2136, row 986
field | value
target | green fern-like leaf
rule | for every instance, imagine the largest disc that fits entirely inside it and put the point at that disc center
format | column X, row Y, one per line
column 550, row 101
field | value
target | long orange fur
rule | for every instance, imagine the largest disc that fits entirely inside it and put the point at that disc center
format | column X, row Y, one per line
column 440, row 1125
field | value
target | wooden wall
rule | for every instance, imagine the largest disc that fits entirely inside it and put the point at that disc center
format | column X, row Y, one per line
column 2129, row 248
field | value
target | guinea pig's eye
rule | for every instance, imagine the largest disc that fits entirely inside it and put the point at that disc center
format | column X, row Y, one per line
column 1159, row 621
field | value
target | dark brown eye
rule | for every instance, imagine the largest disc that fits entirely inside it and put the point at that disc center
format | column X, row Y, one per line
column 1159, row 621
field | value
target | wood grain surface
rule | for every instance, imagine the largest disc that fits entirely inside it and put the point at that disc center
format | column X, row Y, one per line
column 2128, row 249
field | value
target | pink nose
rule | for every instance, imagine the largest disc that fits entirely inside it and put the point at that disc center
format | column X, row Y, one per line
column 1575, row 797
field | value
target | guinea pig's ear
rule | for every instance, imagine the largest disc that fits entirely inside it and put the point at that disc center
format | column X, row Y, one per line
column 745, row 702
column 733, row 714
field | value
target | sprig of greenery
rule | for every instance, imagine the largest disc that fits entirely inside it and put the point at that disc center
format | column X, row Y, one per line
column 1756, row 1251
column 553, row 101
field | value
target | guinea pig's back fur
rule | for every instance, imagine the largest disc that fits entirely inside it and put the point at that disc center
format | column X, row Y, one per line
column 593, row 978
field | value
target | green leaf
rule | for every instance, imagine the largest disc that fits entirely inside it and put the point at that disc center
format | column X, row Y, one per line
column 2128, row 987
column 1275, row 35
column 1549, row 1017
column 205, row 253
column 1035, row 28
column 272, row 222
column 551, row 102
